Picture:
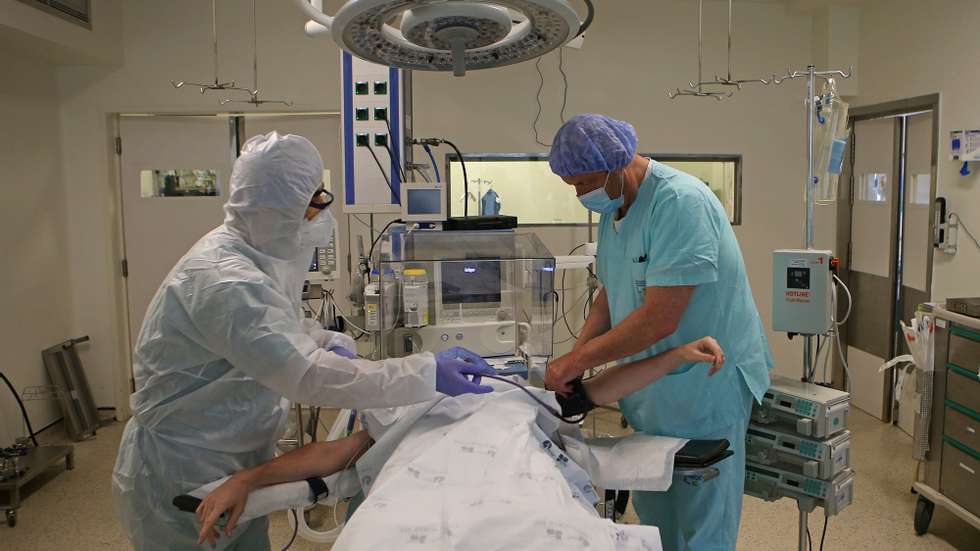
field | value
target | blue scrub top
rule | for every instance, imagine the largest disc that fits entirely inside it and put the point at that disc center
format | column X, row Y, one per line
column 677, row 233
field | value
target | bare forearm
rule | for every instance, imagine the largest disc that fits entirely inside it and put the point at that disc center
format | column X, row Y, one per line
column 639, row 331
column 622, row 380
column 318, row 459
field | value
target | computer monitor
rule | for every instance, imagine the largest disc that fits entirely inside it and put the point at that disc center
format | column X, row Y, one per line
column 470, row 282
column 423, row 202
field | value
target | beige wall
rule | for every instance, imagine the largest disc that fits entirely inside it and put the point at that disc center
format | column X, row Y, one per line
column 634, row 53
column 911, row 48
column 35, row 290
column 43, row 36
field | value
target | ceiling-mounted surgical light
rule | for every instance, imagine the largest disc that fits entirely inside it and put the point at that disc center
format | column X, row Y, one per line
column 448, row 35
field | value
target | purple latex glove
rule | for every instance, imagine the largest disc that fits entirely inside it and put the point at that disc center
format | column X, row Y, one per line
column 341, row 351
column 452, row 368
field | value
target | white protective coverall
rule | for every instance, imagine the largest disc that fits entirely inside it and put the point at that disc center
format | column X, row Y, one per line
column 224, row 346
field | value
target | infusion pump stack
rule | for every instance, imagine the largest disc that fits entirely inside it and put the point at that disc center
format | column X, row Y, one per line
column 798, row 445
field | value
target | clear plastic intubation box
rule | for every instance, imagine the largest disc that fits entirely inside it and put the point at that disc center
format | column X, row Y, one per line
column 491, row 292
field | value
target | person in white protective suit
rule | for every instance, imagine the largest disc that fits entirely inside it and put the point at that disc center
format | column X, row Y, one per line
column 224, row 347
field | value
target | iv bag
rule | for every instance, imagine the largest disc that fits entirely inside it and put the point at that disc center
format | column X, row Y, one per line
column 829, row 142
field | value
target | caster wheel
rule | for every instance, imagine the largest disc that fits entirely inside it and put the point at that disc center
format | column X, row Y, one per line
column 923, row 515
column 11, row 518
column 623, row 422
column 70, row 462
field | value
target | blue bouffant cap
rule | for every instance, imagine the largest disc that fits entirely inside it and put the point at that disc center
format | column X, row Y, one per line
column 592, row 143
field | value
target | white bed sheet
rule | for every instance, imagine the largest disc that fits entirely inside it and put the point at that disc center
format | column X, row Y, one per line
column 480, row 472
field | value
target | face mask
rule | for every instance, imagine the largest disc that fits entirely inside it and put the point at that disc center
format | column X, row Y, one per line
column 599, row 201
column 317, row 232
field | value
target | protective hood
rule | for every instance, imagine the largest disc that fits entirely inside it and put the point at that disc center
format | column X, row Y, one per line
column 271, row 186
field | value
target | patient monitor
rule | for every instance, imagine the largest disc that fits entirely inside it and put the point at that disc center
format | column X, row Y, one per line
column 423, row 202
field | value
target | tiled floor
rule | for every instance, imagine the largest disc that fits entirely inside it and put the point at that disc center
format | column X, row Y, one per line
column 73, row 510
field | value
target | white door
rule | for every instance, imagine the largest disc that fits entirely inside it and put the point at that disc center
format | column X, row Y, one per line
column 916, row 244
column 870, row 274
column 174, row 182
column 889, row 270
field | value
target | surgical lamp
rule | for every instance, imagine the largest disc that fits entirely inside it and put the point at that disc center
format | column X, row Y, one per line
column 448, row 35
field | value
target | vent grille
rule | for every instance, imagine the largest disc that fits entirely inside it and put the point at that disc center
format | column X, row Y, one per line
column 76, row 11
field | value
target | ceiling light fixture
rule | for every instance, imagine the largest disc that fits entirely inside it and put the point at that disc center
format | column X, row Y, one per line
column 448, row 35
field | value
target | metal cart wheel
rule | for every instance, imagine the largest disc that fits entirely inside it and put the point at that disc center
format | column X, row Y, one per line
column 11, row 518
column 70, row 462
column 923, row 515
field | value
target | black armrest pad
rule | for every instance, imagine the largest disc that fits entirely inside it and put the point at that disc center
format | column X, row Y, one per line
column 187, row 503
column 702, row 453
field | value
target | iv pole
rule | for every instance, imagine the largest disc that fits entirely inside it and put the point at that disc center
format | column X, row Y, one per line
column 806, row 506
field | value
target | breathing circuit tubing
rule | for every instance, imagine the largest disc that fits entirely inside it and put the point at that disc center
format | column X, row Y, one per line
column 540, row 402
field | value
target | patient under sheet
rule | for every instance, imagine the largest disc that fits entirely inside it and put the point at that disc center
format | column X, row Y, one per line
column 489, row 472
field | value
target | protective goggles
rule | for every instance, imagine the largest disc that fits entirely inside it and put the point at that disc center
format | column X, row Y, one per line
column 321, row 199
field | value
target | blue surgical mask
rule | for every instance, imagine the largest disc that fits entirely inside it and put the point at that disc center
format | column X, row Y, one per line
column 599, row 201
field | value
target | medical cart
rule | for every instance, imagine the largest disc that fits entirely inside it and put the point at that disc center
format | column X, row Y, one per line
column 34, row 462
column 951, row 477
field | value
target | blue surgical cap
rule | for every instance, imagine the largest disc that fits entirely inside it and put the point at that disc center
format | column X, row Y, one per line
column 592, row 143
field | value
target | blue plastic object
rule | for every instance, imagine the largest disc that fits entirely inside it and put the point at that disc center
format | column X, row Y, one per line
column 837, row 149
column 432, row 158
column 490, row 204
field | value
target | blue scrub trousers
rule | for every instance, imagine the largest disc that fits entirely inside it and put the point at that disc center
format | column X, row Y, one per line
column 703, row 518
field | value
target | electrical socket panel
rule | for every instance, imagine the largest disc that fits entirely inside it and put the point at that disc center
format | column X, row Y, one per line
column 372, row 107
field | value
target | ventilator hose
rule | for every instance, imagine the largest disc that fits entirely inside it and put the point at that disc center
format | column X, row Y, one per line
column 588, row 19
column 548, row 408
column 295, row 530
column 466, row 178
column 23, row 410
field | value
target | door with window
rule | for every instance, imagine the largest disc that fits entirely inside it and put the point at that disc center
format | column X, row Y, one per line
column 174, row 173
column 174, row 177
column 891, row 184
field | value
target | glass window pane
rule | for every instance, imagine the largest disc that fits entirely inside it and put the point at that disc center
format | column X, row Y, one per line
column 180, row 182
column 717, row 175
column 526, row 188
column 873, row 188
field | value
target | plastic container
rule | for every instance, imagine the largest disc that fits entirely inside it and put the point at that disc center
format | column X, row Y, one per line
column 380, row 301
column 415, row 297
column 830, row 143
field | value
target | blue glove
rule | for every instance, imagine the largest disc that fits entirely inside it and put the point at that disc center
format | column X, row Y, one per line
column 343, row 352
column 452, row 368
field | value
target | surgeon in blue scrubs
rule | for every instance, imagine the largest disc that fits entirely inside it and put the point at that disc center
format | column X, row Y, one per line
column 671, row 272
